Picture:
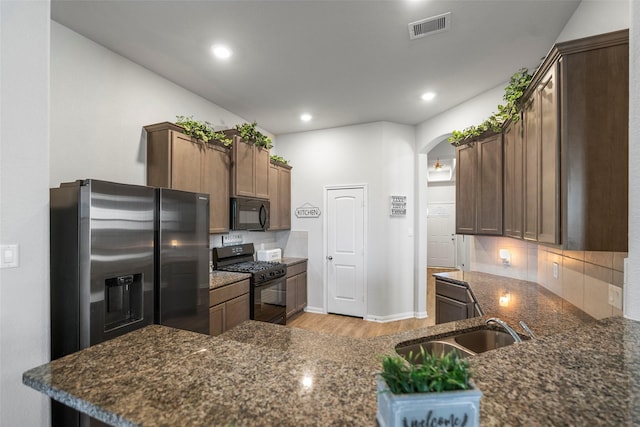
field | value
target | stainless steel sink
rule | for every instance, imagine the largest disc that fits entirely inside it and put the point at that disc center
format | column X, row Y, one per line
column 464, row 343
column 412, row 352
column 484, row 340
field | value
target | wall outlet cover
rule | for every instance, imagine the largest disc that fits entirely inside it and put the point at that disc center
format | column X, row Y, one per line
column 9, row 256
column 615, row 296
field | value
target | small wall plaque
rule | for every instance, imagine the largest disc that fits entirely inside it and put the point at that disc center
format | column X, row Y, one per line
column 398, row 205
column 307, row 211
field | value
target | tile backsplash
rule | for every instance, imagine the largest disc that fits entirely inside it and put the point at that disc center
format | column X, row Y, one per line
column 581, row 277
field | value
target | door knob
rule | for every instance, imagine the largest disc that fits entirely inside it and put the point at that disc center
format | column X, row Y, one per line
column 329, row 257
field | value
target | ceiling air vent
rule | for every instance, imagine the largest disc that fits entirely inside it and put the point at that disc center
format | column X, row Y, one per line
column 428, row 26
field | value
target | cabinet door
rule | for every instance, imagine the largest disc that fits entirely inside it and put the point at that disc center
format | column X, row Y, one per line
column 284, row 198
column 215, row 181
column 450, row 310
column 549, row 164
column 531, row 135
column 185, row 163
column 466, row 189
column 301, row 291
column 216, row 319
column 244, row 173
column 291, row 296
column 237, row 311
column 262, row 166
column 513, row 174
column 274, row 199
column 489, row 199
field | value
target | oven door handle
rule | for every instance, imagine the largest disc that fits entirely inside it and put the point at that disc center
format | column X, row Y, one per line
column 263, row 216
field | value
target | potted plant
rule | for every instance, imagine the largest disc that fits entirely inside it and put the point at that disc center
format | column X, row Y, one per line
column 202, row 130
column 429, row 390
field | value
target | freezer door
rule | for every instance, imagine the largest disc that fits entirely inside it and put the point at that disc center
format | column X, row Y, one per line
column 182, row 260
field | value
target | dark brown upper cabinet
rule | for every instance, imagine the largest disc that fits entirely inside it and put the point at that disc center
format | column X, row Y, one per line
column 513, row 180
column 178, row 161
column 479, row 187
column 576, row 146
column 249, row 168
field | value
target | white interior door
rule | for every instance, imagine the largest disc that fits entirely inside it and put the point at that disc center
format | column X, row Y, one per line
column 345, row 251
column 441, row 235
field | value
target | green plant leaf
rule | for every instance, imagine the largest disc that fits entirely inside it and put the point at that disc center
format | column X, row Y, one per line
column 518, row 84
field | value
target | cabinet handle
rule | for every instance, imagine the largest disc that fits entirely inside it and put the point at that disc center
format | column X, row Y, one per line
column 329, row 257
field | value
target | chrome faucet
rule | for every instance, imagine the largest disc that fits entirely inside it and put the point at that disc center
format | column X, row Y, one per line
column 506, row 327
column 527, row 329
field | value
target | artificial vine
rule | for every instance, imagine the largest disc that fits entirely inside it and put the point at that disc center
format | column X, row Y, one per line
column 518, row 83
column 279, row 159
column 202, row 130
column 250, row 133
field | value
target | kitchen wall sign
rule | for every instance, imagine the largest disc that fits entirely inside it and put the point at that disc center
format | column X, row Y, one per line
column 398, row 205
column 307, row 211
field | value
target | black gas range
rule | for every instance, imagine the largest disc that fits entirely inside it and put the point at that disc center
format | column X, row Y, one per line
column 268, row 281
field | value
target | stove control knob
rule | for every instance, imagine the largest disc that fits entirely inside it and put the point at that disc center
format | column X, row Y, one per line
column 262, row 277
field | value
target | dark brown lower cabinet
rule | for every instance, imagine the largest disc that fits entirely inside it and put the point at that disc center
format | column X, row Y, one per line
column 296, row 288
column 229, row 306
column 454, row 302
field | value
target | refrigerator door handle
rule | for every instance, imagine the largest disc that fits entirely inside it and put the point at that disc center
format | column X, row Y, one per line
column 263, row 217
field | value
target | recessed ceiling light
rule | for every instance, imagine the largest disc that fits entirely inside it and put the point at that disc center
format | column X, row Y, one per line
column 221, row 52
column 428, row 96
column 305, row 117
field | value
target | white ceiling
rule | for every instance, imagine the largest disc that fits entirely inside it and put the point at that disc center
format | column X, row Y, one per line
column 345, row 62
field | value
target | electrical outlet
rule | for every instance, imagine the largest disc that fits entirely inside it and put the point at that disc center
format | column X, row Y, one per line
column 555, row 270
column 615, row 296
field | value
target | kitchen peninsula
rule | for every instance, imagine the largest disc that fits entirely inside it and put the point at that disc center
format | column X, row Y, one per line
column 577, row 372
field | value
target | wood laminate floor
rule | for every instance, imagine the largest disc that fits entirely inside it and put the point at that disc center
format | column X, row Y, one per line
column 359, row 328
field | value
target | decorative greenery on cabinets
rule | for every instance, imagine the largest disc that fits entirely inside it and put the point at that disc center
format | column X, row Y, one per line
column 279, row 159
column 202, row 130
column 250, row 133
column 509, row 111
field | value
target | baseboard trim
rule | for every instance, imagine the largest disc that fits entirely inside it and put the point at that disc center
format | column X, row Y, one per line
column 391, row 318
column 420, row 315
column 318, row 310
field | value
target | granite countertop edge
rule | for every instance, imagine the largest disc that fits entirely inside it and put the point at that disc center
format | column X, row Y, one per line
column 597, row 362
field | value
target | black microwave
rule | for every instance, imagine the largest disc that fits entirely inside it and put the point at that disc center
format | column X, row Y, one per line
column 249, row 214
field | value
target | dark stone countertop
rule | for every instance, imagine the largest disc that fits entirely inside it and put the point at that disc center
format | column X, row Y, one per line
column 293, row 260
column 219, row 278
column 578, row 372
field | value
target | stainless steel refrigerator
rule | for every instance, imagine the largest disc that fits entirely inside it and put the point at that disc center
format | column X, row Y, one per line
column 182, row 260
column 123, row 257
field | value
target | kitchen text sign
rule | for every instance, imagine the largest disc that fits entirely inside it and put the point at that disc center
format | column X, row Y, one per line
column 307, row 211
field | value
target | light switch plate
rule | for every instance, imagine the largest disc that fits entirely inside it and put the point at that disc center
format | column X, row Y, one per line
column 9, row 256
column 555, row 270
column 615, row 296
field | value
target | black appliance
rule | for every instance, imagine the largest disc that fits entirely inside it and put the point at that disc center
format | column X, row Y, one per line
column 268, row 283
column 249, row 214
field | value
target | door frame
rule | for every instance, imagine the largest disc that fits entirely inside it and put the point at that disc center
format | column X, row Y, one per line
column 325, row 244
